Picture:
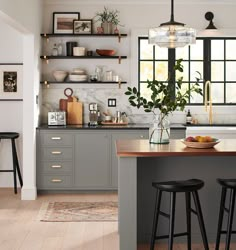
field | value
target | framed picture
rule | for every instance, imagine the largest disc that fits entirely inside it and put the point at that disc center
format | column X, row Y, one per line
column 83, row 26
column 63, row 21
column 11, row 81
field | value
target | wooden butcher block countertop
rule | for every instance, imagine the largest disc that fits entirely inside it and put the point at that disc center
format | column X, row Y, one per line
column 142, row 148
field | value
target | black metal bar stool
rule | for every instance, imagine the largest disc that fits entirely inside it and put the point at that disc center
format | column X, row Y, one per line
column 188, row 187
column 227, row 184
column 16, row 169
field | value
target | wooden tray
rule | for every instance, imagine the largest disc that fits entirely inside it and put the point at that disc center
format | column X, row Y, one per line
column 114, row 123
column 200, row 144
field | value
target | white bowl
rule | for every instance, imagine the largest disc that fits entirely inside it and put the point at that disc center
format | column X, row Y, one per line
column 60, row 75
column 79, row 71
column 78, row 78
column 79, row 51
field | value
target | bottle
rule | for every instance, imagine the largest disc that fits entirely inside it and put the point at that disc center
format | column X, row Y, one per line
column 188, row 117
column 55, row 50
column 60, row 48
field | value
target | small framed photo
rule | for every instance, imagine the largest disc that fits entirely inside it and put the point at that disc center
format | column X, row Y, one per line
column 83, row 26
column 63, row 22
column 11, row 81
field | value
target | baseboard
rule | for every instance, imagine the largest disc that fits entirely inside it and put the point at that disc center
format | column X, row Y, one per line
column 28, row 193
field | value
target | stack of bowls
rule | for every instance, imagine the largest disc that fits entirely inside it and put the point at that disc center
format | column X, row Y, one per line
column 78, row 75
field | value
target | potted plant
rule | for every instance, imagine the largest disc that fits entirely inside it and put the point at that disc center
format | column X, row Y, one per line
column 108, row 18
column 162, row 100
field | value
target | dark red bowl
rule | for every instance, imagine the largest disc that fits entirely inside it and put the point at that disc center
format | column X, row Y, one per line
column 105, row 52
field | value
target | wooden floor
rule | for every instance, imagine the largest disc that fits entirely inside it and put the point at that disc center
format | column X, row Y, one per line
column 20, row 228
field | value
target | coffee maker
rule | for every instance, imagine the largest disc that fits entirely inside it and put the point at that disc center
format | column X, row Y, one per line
column 93, row 114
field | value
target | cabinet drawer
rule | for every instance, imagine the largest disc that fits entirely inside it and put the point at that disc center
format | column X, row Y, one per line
column 56, row 154
column 54, row 181
column 56, row 167
column 57, row 139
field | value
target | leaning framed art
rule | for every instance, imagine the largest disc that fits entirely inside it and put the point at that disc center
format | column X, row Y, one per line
column 63, row 22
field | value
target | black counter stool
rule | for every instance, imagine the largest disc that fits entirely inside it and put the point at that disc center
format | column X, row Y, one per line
column 227, row 184
column 16, row 169
column 188, row 187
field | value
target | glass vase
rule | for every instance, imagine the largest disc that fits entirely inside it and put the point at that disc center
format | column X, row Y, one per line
column 159, row 130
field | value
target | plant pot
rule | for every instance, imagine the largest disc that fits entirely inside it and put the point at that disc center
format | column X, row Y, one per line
column 159, row 130
column 107, row 27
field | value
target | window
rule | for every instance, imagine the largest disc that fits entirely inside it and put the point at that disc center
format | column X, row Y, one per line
column 213, row 58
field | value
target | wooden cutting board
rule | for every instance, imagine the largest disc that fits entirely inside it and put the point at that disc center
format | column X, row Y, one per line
column 74, row 112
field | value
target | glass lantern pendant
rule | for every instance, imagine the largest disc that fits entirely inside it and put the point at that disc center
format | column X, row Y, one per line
column 172, row 34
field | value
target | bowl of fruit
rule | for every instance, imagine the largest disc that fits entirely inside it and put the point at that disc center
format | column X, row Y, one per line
column 200, row 141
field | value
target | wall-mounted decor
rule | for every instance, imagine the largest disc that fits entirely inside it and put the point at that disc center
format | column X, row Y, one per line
column 83, row 26
column 63, row 21
column 11, row 82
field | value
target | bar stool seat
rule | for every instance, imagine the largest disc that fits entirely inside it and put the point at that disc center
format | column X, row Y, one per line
column 16, row 169
column 226, row 185
column 188, row 187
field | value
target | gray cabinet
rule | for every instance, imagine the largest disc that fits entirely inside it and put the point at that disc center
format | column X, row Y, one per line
column 82, row 159
column 55, row 159
column 92, row 160
column 124, row 134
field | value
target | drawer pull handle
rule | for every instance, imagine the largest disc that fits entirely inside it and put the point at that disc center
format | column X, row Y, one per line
column 56, row 152
column 56, row 166
column 56, row 138
column 141, row 136
column 56, row 180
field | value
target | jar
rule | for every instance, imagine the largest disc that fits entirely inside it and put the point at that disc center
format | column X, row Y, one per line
column 159, row 130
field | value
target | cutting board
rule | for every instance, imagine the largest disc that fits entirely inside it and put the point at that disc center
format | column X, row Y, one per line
column 63, row 102
column 74, row 112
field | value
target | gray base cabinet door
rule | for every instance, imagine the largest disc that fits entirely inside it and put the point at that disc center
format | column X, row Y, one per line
column 119, row 136
column 92, row 160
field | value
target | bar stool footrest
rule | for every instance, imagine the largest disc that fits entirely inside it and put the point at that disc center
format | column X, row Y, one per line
column 6, row 170
column 225, row 232
column 167, row 236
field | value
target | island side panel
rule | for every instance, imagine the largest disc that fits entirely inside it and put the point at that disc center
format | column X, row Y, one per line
column 207, row 168
column 127, row 195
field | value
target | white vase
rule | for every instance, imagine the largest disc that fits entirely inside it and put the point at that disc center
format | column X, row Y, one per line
column 107, row 27
column 159, row 130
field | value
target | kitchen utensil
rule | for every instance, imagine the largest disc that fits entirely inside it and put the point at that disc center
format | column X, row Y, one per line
column 60, row 75
column 63, row 102
column 74, row 112
column 93, row 114
column 105, row 52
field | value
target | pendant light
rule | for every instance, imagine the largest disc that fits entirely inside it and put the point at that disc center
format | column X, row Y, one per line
column 172, row 34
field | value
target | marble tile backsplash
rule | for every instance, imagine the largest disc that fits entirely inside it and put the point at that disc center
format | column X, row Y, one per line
column 52, row 95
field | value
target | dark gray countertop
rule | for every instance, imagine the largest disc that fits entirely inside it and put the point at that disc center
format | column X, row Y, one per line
column 129, row 126
column 211, row 125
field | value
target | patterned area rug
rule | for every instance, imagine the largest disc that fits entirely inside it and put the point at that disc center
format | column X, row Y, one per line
column 78, row 211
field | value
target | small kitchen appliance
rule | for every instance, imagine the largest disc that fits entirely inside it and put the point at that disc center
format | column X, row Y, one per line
column 57, row 118
column 93, row 114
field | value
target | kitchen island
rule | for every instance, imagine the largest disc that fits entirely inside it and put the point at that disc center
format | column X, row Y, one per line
column 141, row 163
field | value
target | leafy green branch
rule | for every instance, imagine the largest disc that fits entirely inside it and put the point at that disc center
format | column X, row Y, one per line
column 161, row 94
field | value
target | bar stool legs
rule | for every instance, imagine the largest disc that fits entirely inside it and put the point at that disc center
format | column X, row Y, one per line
column 226, row 184
column 171, row 217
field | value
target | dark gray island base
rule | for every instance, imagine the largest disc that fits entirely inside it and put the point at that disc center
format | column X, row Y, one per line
column 141, row 163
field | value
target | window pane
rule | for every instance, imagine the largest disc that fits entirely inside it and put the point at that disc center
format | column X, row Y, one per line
column 196, row 50
column 145, row 92
column 217, row 92
column 230, row 71
column 161, row 53
column 217, row 71
column 194, row 68
column 230, row 49
column 161, row 71
column 146, row 71
column 197, row 98
column 182, row 53
column 231, row 93
column 184, row 88
column 146, row 50
column 217, row 49
column 185, row 73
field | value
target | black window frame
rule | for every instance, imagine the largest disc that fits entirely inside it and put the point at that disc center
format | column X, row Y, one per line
column 206, row 66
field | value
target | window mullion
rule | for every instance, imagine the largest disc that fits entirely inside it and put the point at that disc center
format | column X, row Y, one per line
column 171, row 64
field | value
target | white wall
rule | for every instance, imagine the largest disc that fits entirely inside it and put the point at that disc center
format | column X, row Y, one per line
column 137, row 16
column 25, row 17
column 11, row 50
